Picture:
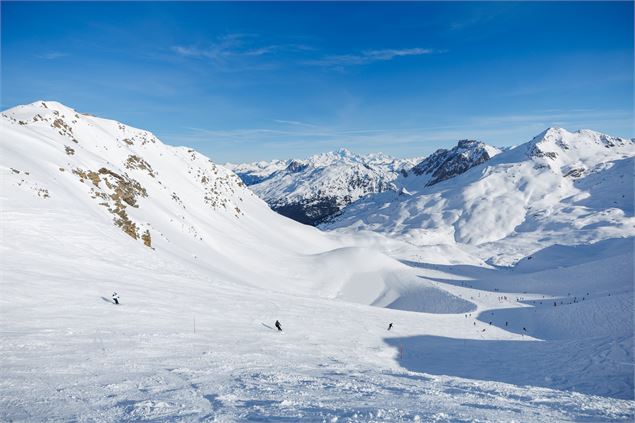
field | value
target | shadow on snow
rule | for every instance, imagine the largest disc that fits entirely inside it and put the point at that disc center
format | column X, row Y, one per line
column 596, row 366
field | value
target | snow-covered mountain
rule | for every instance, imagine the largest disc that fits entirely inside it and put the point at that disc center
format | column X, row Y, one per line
column 120, row 186
column 315, row 190
column 254, row 173
column 560, row 187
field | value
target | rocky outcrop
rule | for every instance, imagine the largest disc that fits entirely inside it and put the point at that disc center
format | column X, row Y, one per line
column 445, row 164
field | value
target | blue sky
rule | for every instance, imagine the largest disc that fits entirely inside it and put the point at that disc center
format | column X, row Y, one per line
column 251, row 81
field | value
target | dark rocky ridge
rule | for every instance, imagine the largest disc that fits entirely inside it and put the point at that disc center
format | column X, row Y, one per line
column 445, row 164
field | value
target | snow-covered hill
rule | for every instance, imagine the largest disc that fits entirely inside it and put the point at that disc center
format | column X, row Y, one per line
column 315, row 190
column 559, row 188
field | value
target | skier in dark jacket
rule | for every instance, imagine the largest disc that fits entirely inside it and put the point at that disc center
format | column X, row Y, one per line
column 115, row 298
column 278, row 325
column 390, row 326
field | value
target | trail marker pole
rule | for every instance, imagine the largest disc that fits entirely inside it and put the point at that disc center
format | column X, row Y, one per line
column 194, row 318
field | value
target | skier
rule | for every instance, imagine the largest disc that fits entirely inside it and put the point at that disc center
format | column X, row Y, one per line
column 390, row 326
column 279, row 326
column 115, row 298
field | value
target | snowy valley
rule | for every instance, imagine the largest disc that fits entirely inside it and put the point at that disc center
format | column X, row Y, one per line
column 508, row 277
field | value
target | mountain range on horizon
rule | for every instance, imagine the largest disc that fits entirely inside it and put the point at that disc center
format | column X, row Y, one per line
column 319, row 189
column 457, row 192
column 315, row 190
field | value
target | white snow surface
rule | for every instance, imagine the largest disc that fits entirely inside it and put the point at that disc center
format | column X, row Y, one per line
column 193, row 338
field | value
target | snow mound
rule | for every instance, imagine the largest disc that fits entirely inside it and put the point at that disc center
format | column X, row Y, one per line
column 368, row 277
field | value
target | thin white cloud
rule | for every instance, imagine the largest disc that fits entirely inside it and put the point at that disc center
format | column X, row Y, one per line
column 295, row 123
column 368, row 56
column 244, row 46
column 52, row 55
column 235, row 46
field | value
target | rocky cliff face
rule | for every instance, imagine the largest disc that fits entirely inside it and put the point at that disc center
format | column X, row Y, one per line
column 445, row 164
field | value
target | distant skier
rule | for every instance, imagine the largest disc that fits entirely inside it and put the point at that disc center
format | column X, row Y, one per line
column 390, row 326
column 279, row 326
column 115, row 298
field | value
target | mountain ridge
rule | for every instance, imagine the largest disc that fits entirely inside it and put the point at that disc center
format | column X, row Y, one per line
column 317, row 189
column 548, row 185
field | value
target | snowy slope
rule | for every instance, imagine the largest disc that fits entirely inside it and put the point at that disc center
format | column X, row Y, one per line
column 561, row 187
column 193, row 339
column 123, row 184
column 314, row 189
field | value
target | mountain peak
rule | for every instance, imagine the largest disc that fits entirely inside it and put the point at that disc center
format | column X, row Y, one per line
column 555, row 142
column 468, row 143
column 551, row 133
column 344, row 152
column 444, row 164
column 43, row 104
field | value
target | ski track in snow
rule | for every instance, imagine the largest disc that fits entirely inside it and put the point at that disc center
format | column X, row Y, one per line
column 142, row 361
column 132, row 374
